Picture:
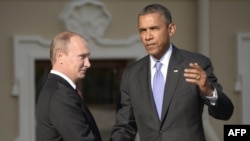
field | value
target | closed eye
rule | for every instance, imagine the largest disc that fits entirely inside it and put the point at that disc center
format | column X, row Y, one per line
column 83, row 56
column 154, row 28
column 142, row 30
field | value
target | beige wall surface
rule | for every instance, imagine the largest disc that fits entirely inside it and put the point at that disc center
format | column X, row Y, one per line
column 22, row 18
column 228, row 17
column 40, row 17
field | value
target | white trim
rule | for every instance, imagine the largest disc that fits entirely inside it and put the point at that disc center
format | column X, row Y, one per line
column 26, row 51
column 203, row 26
column 243, row 78
column 203, row 48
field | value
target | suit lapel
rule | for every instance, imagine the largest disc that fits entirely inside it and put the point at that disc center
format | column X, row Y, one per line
column 84, row 107
column 145, row 81
column 175, row 70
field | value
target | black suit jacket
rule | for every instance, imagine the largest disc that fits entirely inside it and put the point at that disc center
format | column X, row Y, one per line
column 61, row 115
column 182, row 105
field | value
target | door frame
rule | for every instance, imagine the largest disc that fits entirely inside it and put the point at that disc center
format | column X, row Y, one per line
column 243, row 78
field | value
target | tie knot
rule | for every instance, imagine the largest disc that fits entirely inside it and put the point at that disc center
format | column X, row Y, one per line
column 158, row 65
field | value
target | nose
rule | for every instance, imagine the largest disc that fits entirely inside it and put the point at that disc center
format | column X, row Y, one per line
column 148, row 35
column 87, row 63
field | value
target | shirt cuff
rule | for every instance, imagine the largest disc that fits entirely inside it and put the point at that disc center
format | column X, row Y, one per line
column 213, row 98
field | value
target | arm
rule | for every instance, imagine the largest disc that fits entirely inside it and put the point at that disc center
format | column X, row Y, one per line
column 125, row 127
column 203, row 76
column 68, row 118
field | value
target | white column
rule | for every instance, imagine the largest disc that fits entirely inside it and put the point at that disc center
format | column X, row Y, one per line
column 243, row 80
column 203, row 27
column 203, row 48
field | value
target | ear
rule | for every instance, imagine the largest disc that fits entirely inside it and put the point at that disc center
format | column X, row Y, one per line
column 59, row 56
column 171, row 29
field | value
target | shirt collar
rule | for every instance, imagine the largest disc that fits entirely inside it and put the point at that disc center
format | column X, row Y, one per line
column 164, row 59
column 64, row 77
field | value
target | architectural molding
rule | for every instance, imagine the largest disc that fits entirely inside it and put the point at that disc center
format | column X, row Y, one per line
column 27, row 49
column 243, row 77
column 90, row 18
column 203, row 7
column 203, row 27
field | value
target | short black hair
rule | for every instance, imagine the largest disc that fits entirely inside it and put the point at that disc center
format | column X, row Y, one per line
column 154, row 8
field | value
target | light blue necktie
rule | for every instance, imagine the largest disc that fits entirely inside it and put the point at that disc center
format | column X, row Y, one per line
column 158, row 88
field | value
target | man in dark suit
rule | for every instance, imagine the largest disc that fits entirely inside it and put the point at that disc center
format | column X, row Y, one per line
column 61, row 113
column 174, row 112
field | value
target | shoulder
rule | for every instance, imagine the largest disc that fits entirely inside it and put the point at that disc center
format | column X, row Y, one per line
column 57, row 89
column 139, row 64
column 189, row 56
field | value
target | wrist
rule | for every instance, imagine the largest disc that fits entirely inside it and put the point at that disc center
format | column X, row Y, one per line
column 210, row 92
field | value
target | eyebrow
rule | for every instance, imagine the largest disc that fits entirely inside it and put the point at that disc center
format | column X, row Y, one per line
column 84, row 54
column 151, row 27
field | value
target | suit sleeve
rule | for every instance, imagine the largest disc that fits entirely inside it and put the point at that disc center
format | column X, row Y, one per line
column 125, row 128
column 223, row 108
column 68, row 118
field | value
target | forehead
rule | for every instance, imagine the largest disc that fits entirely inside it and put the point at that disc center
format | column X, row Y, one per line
column 78, row 43
column 151, row 18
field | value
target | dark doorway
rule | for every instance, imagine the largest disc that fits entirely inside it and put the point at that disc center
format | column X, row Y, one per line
column 101, row 84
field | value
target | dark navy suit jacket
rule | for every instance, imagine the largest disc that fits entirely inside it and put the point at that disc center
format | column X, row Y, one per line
column 61, row 115
column 182, row 104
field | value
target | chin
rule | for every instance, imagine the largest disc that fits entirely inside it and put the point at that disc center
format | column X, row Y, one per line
column 152, row 53
column 82, row 76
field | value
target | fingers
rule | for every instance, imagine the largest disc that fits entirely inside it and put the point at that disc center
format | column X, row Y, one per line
column 194, row 73
column 195, row 66
column 198, row 77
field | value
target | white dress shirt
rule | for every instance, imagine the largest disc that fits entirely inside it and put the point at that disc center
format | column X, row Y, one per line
column 64, row 77
column 164, row 60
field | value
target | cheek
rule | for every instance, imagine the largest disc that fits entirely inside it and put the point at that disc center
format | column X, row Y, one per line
column 80, row 64
column 142, row 38
column 163, row 39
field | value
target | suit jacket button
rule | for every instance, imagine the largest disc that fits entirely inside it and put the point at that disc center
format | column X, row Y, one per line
column 160, row 132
